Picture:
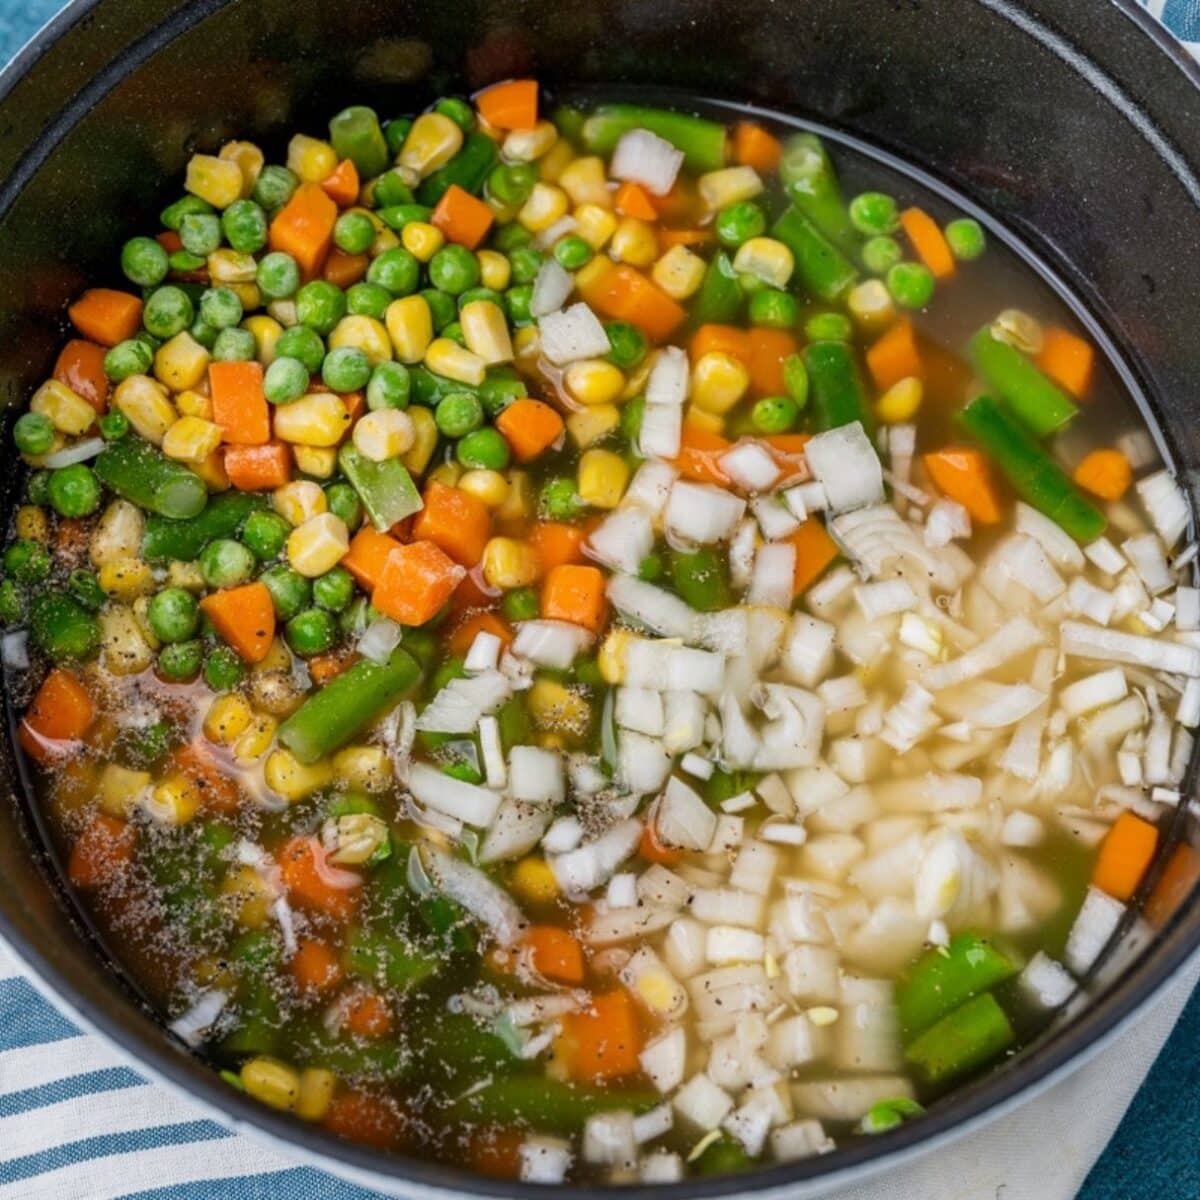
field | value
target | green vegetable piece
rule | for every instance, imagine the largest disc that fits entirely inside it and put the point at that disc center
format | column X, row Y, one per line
column 12, row 602
column 880, row 254
column 181, row 661
column 701, row 577
column 469, row 168
column 874, row 213
column 887, row 1114
column 368, row 300
column 459, row 111
column 500, row 387
column 544, row 1103
column 173, row 615
column 774, row 414
column 966, row 239
column 226, row 563
column 304, row 345
column 113, row 425
column 285, row 381
column 234, row 345
column 396, row 216
column 173, row 214
column 572, row 252
column 837, row 392
column 1033, row 398
column 821, row 267
column 223, row 669
column 722, row 1157
column 33, row 433
column 458, row 414
column 559, row 500
column 346, row 369
column 911, row 284
column 521, row 604
column 139, row 473
column 278, row 275
column 483, row 448
column 353, row 233
column 321, row 305
column 965, row 1039
column 166, row 539
column 342, row 500
column 387, row 961
column 390, row 190
column 795, row 379
column 704, row 143
column 773, row 309
column 73, row 491
column 27, row 561
column 168, row 311
column 62, row 628
column 812, row 185
column 627, row 344
column 510, row 183
column 200, row 233
column 385, row 488
column 739, row 222
column 220, row 307
column 719, row 300
column 828, row 327
column 454, row 269
column 245, row 226
column 355, row 134
column 396, row 270
column 310, row 632
column 333, row 590
column 943, row 978
column 85, row 587
column 144, row 261
column 290, row 591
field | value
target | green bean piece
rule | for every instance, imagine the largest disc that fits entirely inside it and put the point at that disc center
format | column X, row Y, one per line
column 166, row 539
column 396, row 216
column 62, row 628
column 388, row 961
column 838, row 397
column 385, row 488
column 704, row 143
column 943, row 978
column 719, row 300
column 173, row 214
column 355, row 134
column 468, row 169
column 701, row 577
column 722, row 1157
column 812, row 185
column 795, row 380
column 965, row 1039
column 139, row 473
column 887, row 1114
column 85, row 587
column 1033, row 398
column 821, row 268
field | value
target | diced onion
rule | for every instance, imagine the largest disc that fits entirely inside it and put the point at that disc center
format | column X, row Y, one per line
column 458, row 706
column 379, row 639
column 847, row 467
column 77, row 453
column 645, row 158
column 192, row 1025
column 572, row 334
column 552, row 286
column 553, row 644
column 467, row 802
column 699, row 512
column 470, row 887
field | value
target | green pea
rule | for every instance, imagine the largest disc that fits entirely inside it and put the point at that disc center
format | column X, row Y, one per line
column 184, row 261
column 517, row 302
column 525, row 262
column 74, row 491
column 144, row 261
column 354, row 233
column 572, row 252
column 168, row 311
column 627, row 345
column 234, row 345
column 33, row 433
column 873, row 213
column 910, row 284
column 521, row 604
column 226, row 563
column 559, row 500
column 751, row 285
column 223, row 670
column 442, row 308
column 12, row 602
column 500, row 387
column 389, row 386
column 202, row 332
column 346, row 369
column 285, row 380
column 304, row 345
column 511, row 183
column 61, row 627
column 278, row 275
column 396, row 270
column 651, row 568
column 200, row 233
column 113, row 425
column 828, row 327
column 631, row 420
column 795, row 379
column 130, row 357
column 290, row 591
column 311, row 632
column 454, row 331
column 173, row 214
column 966, row 238
column 458, row 413
column 274, row 187
column 180, row 661
column 459, row 111
column 342, row 500
column 320, row 305
column 394, row 133
column 221, row 307
column 245, row 226
column 390, row 190
column 773, row 309
column 85, row 587
column 333, row 590
column 880, row 254
column 739, row 222
column 146, row 337
column 454, row 269
column 35, row 488
column 368, row 300
column 265, row 534
column 173, row 615
column 774, row 414
column 506, row 238
column 484, row 448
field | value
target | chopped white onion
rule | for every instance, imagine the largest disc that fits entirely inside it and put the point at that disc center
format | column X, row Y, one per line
column 466, row 802
column 192, row 1025
column 659, row 610
column 379, row 639
column 1165, row 504
column 535, row 775
column 645, row 158
column 458, row 707
column 845, row 464
column 1109, row 645
column 70, row 455
column 623, row 539
column 661, row 433
column 552, row 287
column 650, row 487
column 470, row 887
column 14, row 650
column 553, row 644
column 774, row 570
column 669, row 379
column 484, row 652
column 682, row 818
column 1097, row 921
column 572, row 334
column 749, row 466
column 699, row 512
column 591, row 865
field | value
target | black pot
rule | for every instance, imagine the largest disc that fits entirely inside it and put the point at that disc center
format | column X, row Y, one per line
column 1076, row 123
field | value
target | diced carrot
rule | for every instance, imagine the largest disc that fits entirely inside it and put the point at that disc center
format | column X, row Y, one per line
column 485, row 621
column 367, row 555
column 529, row 426
column 624, row 294
column 244, row 617
column 555, row 953
column 754, row 147
column 341, row 184
column 455, row 521
column 303, row 228
column 80, row 365
column 345, row 269
column 106, row 316
column 62, row 709
column 684, row 237
column 219, row 791
column 787, row 449
column 964, row 475
column 169, row 240
column 302, row 869
column 894, row 356
column 815, row 550
column 1105, row 473
column 603, row 1041
column 370, row 1120
column 511, row 105
column 652, row 849
column 720, row 339
column 324, row 667
column 102, row 851
column 632, row 200
column 575, row 593
column 699, row 451
column 928, row 241
column 1125, row 854
column 1174, row 885
column 239, row 404
column 258, row 468
column 417, row 580
column 315, row 966
column 768, row 349
column 1068, row 360
column 496, row 1153
column 462, row 217
column 556, row 543
column 367, row 1015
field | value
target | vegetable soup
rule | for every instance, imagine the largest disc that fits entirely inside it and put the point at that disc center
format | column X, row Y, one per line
column 594, row 643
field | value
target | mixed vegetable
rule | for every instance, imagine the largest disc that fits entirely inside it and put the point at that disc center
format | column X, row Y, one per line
column 569, row 644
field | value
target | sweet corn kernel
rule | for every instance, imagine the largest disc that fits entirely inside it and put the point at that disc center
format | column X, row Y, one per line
column 144, row 401
column 706, row 421
column 315, row 1094
column 288, row 777
column 126, row 579
column 278, row 658
column 659, row 991
column 489, row 486
column 901, row 401
column 527, row 344
column 248, row 896
column 528, row 145
column 186, row 575
column 355, row 838
column 257, row 739
column 633, row 242
column 216, row 180
column 248, row 294
column 299, row 500
column 552, row 164
column 249, row 159
column 447, row 474
column 679, row 272
column 635, row 383
column 272, row 1082
column 363, row 333
column 318, row 461
column 586, row 182
column 495, row 271
column 231, row 266
column 32, row 524
column 452, row 361
column 589, row 425
column 194, row 404
column 318, row 419
column 422, row 240
column 485, row 329
column 533, row 880
column 728, row 186
column 603, row 477
column 594, row 381
column 1019, row 329
column 595, row 225
column 367, row 768
column 766, row 259
column 212, row 471
column 311, row 159
column 318, row 545
column 266, row 331
column 180, row 362
column 509, row 563
column 175, row 800
column 546, row 203
column 385, row 239
column 383, row 434
column 141, row 612
column 555, row 707
column 125, row 648
column 410, row 326
column 69, row 412
column 719, row 381
column 425, row 439
column 432, row 142
column 120, row 789
column 228, row 717
column 191, row 439
column 871, row 306
column 611, row 658
column 519, row 504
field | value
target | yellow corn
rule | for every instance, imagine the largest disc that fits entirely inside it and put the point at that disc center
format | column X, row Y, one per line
column 533, row 880
column 586, row 182
column 175, row 800
column 216, row 180
column 728, row 186
column 363, row 333
column 552, row 164
column 249, row 160
column 318, row 545
column 611, row 658
column 126, row 579
column 212, row 471
column 299, row 500
column 266, row 331
column 527, row 344
column 144, row 401
column 318, row 461
column 228, row 717
column 120, row 789
column 432, row 142
column 546, row 203
column 422, row 240
column 311, row 159
column 248, row 294
column 528, row 145
column 383, row 434
column 385, row 239
column 766, row 259
column 425, row 439
column 589, row 425
column 446, row 473
column 489, row 486
column 68, row 411
column 679, row 272
column 194, row 404
column 410, row 326
column 125, row 648
column 719, row 381
column 594, row 381
column 594, row 224
column 180, row 362
column 519, row 504
column 118, row 534
column 32, row 525
column 603, row 477
column 635, row 384
column 318, row 419
column 452, row 361
column 367, row 768
column 191, row 439
column 272, row 1082
column 870, row 304
column 248, row 896
column 315, row 1094
column 509, row 563
column 556, row 707
column 186, row 575
column 288, row 777
column 485, row 330
column 256, row 741
column 707, row 421
column 231, row 267
column 495, row 271
column 901, row 401
column 633, row 242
